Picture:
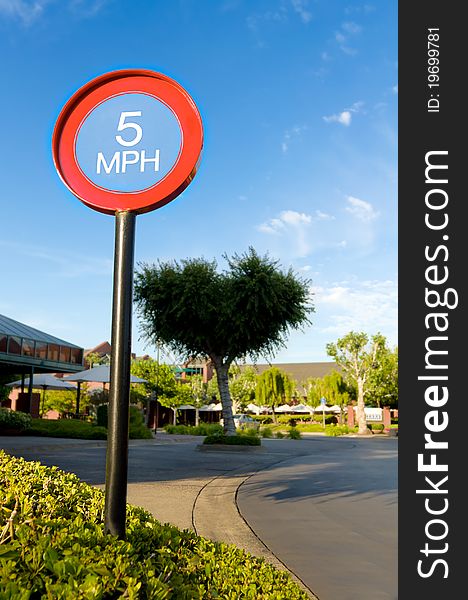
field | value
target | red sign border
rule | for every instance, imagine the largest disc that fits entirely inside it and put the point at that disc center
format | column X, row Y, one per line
column 100, row 89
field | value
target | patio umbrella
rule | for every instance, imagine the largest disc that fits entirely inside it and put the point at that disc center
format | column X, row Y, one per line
column 283, row 408
column 99, row 374
column 45, row 381
column 302, row 408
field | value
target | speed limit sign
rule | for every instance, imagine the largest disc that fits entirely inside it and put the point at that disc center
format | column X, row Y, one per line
column 126, row 143
column 128, row 140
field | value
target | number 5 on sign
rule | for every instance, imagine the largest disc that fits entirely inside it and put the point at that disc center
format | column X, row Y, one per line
column 122, row 125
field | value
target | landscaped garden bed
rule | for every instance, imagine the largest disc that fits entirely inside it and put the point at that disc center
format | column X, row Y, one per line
column 53, row 545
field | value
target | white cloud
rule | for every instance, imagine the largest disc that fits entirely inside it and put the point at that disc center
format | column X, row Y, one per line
column 362, row 210
column 369, row 306
column 321, row 216
column 294, row 227
column 351, row 27
column 67, row 265
column 348, row 30
column 300, row 7
column 344, row 118
column 395, row 89
column 28, row 11
column 289, row 134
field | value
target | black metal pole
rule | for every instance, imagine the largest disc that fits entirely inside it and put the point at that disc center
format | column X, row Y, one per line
column 119, row 395
column 78, row 394
column 30, row 389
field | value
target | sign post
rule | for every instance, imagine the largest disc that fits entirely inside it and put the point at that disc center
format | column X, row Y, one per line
column 323, row 402
column 126, row 143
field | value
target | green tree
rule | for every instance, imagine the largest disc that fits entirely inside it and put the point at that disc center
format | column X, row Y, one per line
column 242, row 384
column 197, row 311
column 161, row 383
column 94, row 359
column 358, row 356
column 383, row 380
column 332, row 387
column 274, row 387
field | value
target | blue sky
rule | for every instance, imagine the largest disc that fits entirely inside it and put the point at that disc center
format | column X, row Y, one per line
column 299, row 106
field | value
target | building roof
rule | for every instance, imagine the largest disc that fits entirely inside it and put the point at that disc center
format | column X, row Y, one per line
column 300, row 371
column 102, row 348
column 23, row 348
column 11, row 327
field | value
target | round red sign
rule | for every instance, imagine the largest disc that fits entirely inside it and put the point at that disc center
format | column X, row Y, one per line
column 128, row 141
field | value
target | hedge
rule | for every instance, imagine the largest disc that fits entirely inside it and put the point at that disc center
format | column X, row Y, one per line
column 233, row 440
column 201, row 429
column 53, row 546
column 13, row 420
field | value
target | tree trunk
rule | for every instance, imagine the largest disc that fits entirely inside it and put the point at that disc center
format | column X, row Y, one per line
column 197, row 417
column 275, row 421
column 360, row 412
column 175, row 415
column 223, row 386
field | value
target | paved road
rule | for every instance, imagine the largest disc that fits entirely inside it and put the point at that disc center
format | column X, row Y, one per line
column 324, row 508
column 331, row 516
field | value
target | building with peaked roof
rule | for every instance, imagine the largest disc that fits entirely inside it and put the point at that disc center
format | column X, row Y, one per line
column 24, row 349
column 299, row 372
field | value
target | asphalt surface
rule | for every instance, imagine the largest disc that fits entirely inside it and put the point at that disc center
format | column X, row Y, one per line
column 325, row 509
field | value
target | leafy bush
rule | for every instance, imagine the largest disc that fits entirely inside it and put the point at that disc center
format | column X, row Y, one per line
column 264, row 419
column 336, row 430
column 137, row 429
column 294, row 434
column 266, row 432
column 279, row 435
column 299, row 418
column 377, row 427
column 66, row 428
column 101, row 415
column 201, row 429
column 232, row 440
column 310, row 427
column 54, row 546
column 12, row 419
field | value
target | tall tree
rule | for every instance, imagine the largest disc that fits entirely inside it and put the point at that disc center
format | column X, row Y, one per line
column 332, row 387
column 245, row 310
column 242, row 384
column 358, row 356
column 160, row 383
column 274, row 387
column 383, row 382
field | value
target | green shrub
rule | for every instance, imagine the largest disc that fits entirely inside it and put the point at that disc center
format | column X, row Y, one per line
column 294, row 434
column 55, row 547
column 264, row 419
column 201, row 429
column 233, row 440
column 101, row 415
column 280, row 435
column 66, row 428
column 137, row 428
column 266, row 432
column 336, row 430
column 310, row 427
column 377, row 427
column 12, row 419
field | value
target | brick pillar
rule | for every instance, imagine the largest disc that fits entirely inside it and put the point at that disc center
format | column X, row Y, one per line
column 387, row 420
column 351, row 420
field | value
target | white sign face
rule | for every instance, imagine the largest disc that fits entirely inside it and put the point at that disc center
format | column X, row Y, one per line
column 373, row 414
column 128, row 143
